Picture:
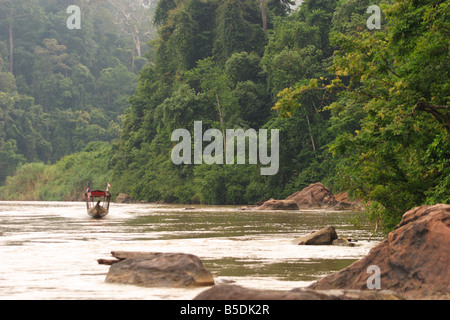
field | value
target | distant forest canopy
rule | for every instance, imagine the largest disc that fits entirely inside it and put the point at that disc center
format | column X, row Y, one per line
column 62, row 88
column 362, row 110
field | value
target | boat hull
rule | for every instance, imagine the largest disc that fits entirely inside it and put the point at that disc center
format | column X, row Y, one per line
column 97, row 212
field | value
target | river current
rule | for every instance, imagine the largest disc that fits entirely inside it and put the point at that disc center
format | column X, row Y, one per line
column 49, row 250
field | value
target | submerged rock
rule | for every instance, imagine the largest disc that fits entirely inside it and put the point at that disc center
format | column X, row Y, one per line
column 233, row 292
column 123, row 198
column 278, row 205
column 342, row 205
column 414, row 260
column 343, row 242
column 324, row 236
column 177, row 270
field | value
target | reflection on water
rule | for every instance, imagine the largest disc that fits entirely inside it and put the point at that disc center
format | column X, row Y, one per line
column 49, row 250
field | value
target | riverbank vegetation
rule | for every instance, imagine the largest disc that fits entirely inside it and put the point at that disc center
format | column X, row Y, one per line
column 363, row 111
column 65, row 180
column 62, row 88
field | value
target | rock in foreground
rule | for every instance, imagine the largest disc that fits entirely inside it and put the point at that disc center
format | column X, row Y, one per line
column 233, row 292
column 176, row 270
column 414, row 260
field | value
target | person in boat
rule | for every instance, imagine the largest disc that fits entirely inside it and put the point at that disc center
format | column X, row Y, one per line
column 98, row 207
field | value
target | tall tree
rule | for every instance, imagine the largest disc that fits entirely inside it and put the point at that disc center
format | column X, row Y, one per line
column 238, row 28
column 12, row 12
column 395, row 82
column 134, row 18
column 50, row 70
column 263, row 14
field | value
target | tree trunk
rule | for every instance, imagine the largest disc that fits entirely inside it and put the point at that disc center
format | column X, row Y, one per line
column 137, row 41
column 11, row 39
column 311, row 135
column 263, row 14
column 223, row 127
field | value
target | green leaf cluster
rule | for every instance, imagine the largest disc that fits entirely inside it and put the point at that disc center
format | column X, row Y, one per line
column 396, row 87
column 61, row 89
column 216, row 64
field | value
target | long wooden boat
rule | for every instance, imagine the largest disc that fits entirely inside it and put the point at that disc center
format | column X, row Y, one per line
column 97, row 203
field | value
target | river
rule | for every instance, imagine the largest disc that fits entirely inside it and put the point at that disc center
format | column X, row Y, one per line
column 49, row 250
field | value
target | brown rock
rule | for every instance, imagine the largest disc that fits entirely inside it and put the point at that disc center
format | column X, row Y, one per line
column 345, row 203
column 414, row 260
column 177, row 270
column 342, row 205
column 278, row 205
column 233, row 292
column 342, row 196
column 123, row 198
column 324, row 236
column 343, row 242
column 315, row 195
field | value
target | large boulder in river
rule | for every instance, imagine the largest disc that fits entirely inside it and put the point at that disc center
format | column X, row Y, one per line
column 314, row 196
column 324, row 236
column 175, row 270
column 278, row 205
column 413, row 261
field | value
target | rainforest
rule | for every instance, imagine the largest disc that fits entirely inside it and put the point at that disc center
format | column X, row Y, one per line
column 363, row 110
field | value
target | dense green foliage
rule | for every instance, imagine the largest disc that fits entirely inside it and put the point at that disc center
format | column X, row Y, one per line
column 400, row 156
column 392, row 113
column 65, row 180
column 364, row 111
column 62, row 88
column 216, row 64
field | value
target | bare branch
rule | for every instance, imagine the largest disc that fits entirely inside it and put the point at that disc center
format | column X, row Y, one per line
column 432, row 106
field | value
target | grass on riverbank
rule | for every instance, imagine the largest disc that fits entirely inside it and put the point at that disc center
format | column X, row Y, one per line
column 65, row 180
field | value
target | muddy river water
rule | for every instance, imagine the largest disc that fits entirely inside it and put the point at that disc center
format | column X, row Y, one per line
column 49, row 250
